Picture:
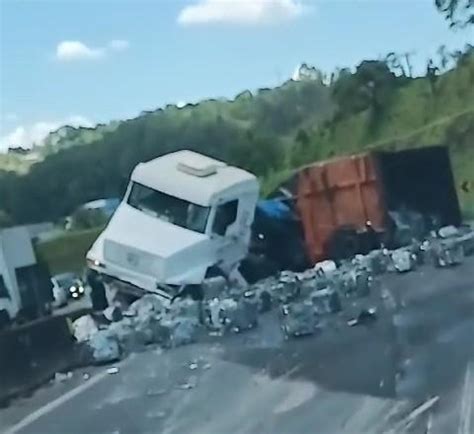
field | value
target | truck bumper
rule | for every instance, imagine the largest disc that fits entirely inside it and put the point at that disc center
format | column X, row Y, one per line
column 131, row 282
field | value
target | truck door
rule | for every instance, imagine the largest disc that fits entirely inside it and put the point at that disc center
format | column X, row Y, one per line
column 229, row 233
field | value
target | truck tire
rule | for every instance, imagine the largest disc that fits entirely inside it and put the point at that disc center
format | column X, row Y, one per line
column 4, row 319
column 193, row 291
column 257, row 267
column 343, row 244
column 98, row 295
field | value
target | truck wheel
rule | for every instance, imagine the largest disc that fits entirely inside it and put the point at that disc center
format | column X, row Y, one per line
column 98, row 292
column 193, row 291
column 343, row 244
column 257, row 267
column 4, row 319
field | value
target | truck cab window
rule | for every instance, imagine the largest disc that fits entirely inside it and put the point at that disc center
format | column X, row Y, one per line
column 226, row 214
column 168, row 208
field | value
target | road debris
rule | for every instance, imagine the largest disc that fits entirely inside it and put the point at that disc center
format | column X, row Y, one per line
column 104, row 347
column 353, row 281
column 214, row 287
column 448, row 253
column 190, row 384
column 84, row 328
column 149, row 303
column 325, row 268
column 60, row 377
column 365, row 317
column 326, row 301
column 113, row 314
column 306, row 300
column 298, row 319
column 112, row 370
column 180, row 331
column 403, row 260
column 130, row 337
column 448, row 231
column 288, row 287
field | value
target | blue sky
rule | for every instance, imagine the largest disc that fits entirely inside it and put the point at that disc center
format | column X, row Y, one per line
column 89, row 61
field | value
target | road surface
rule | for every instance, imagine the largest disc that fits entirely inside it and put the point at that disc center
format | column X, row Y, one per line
column 411, row 371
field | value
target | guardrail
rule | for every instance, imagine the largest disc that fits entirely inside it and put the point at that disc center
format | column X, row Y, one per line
column 30, row 354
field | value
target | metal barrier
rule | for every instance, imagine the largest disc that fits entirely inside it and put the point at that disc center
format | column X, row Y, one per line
column 30, row 354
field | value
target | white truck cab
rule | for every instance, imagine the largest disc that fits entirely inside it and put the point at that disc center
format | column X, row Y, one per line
column 182, row 214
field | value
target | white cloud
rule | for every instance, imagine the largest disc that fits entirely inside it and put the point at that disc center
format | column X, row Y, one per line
column 68, row 51
column 119, row 45
column 29, row 135
column 240, row 11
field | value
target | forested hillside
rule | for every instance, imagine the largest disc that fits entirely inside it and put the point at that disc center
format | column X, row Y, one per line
column 270, row 132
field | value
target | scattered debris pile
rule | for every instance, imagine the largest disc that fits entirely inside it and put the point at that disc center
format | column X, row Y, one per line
column 305, row 300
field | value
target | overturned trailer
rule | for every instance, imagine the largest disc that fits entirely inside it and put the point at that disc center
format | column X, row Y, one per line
column 347, row 205
column 186, row 217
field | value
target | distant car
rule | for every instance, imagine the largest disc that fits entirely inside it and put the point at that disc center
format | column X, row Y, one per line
column 67, row 285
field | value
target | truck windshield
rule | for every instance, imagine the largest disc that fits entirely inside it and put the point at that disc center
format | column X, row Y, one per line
column 168, row 208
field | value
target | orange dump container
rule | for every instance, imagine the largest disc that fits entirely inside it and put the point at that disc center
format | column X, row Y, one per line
column 347, row 192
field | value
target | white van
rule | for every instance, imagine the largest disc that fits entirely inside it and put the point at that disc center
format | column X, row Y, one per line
column 183, row 215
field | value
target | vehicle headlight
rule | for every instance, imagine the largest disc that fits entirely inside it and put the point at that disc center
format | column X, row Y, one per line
column 81, row 289
column 75, row 295
column 95, row 263
column 72, row 289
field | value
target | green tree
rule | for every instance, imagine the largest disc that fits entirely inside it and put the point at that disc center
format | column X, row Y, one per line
column 459, row 13
column 369, row 87
column 394, row 62
column 432, row 72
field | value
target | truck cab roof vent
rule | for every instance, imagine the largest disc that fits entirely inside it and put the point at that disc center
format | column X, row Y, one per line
column 199, row 167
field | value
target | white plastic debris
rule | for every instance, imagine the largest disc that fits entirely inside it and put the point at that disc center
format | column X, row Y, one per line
column 326, row 301
column 220, row 311
column 245, row 315
column 298, row 319
column 60, row 377
column 129, row 334
column 325, row 268
column 403, row 260
column 448, row 253
column 84, row 328
column 149, row 303
column 113, row 370
column 287, row 288
column 193, row 366
column 448, row 232
column 467, row 242
column 355, row 282
column 190, row 384
column 104, row 347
